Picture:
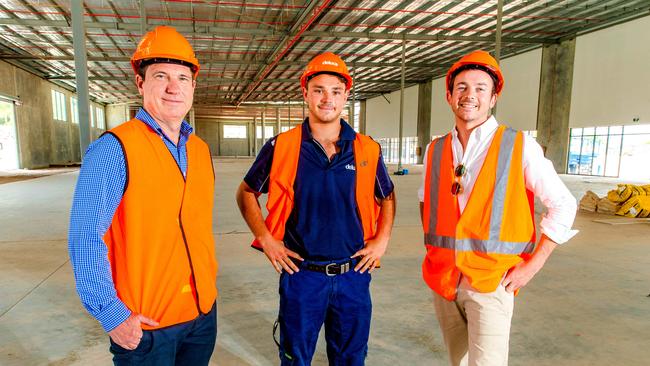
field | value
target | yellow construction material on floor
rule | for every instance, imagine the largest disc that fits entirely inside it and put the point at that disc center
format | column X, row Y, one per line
column 625, row 191
column 637, row 206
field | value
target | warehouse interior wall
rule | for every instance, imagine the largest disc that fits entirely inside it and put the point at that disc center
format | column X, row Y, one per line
column 611, row 76
column 609, row 88
column 34, row 124
column 116, row 114
column 42, row 141
column 517, row 105
column 382, row 114
column 211, row 131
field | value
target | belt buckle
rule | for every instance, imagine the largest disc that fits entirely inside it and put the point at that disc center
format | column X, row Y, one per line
column 327, row 269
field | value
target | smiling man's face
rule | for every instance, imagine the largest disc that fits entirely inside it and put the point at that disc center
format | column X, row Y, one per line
column 167, row 92
column 472, row 97
column 325, row 96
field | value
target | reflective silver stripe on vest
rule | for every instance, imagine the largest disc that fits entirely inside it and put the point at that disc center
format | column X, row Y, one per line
column 501, row 182
column 434, row 176
column 493, row 244
column 478, row 245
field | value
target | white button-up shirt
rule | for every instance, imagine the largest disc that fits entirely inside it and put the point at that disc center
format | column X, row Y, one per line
column 539, row 174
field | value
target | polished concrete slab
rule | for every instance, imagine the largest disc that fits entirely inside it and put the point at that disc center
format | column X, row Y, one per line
column 590, row 305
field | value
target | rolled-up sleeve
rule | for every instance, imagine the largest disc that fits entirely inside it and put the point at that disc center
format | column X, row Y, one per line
column 542, row 179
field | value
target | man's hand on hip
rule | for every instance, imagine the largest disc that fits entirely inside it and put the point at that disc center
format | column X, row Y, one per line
column 279, row 255
column 128, row 334
column 520, row 275
column 370, row 254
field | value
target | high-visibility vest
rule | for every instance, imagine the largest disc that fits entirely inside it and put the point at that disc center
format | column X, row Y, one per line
column 160, row 242
column 496, row 230
column 280, row 200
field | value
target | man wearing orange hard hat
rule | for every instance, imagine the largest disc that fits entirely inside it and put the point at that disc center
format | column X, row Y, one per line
column 477, row 206
column 330, row 212
column 140, row 239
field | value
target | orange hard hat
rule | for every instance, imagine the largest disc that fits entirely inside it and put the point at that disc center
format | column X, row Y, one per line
column 484, row 62
column 165, row 43
column 326, row 63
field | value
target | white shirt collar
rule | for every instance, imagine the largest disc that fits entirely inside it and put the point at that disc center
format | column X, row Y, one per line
column 485, row 129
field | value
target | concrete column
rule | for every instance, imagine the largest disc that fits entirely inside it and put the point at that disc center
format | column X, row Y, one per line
column 353, row 95
column 263, row 126
column 81, row 75
column 362, row 116
column 255, row 136
column 555, row 101
column 424, row 118
column 192, row 122
column 351, row 115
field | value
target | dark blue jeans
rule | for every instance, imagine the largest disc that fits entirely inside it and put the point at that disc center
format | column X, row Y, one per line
column 310, row 299
column 189, row 343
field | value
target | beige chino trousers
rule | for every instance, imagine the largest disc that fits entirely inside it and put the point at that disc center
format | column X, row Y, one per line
column 476, row 326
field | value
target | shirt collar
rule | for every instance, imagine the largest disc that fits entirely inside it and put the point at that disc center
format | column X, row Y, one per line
column 480, row 132
column 347, row 132
column 145, row 117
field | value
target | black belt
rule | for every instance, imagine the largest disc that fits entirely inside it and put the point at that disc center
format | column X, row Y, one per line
column 330, row 269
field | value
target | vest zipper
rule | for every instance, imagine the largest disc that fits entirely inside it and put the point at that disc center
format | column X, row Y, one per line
column 189, row 258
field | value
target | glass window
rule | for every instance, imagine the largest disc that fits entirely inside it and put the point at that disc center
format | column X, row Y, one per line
column 532, row 134
column 634, row 157
column 613, row 155
column 613, row 130
column 614, row 151
column 74, row 110
column 575, row 145
column 390, row 149
column 589, row 131
column 91, row 112
column 58, row 106
column 602, row 131
column 100, row 118
column 268, row 132
column 633, row 129
column 576, row 132
column 234, row 131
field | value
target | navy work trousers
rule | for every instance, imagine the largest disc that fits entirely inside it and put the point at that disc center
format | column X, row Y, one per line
column 189, row 343
column 310, row 299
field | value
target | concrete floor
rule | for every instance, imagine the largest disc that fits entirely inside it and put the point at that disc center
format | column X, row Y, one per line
column 589, row 306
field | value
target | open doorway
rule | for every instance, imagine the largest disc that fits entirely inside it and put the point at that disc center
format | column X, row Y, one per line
column 8, row 137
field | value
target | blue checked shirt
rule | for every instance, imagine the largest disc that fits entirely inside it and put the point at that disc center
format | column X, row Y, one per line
column 99, row 190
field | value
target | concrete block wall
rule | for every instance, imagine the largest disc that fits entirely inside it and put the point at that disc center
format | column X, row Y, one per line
column 42, row 141
column 211, row 131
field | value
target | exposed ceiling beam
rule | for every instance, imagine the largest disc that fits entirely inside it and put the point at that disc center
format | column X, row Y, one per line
column 424, row 37
column 303, row 21
column 5, row 56
column 219, row 31
column 229, row 80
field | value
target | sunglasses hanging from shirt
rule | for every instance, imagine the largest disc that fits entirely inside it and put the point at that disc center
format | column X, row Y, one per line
column 456, row 187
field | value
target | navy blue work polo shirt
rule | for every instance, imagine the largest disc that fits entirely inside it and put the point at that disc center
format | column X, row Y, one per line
column 324, row 223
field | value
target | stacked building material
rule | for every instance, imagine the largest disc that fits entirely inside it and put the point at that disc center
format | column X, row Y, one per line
column 632, row 200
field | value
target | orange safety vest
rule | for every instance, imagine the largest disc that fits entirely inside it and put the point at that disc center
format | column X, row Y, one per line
column 160, row 242
column 496, row 229
column 283, row 174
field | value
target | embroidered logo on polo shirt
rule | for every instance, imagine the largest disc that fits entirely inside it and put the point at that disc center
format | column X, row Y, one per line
column 350, row 167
